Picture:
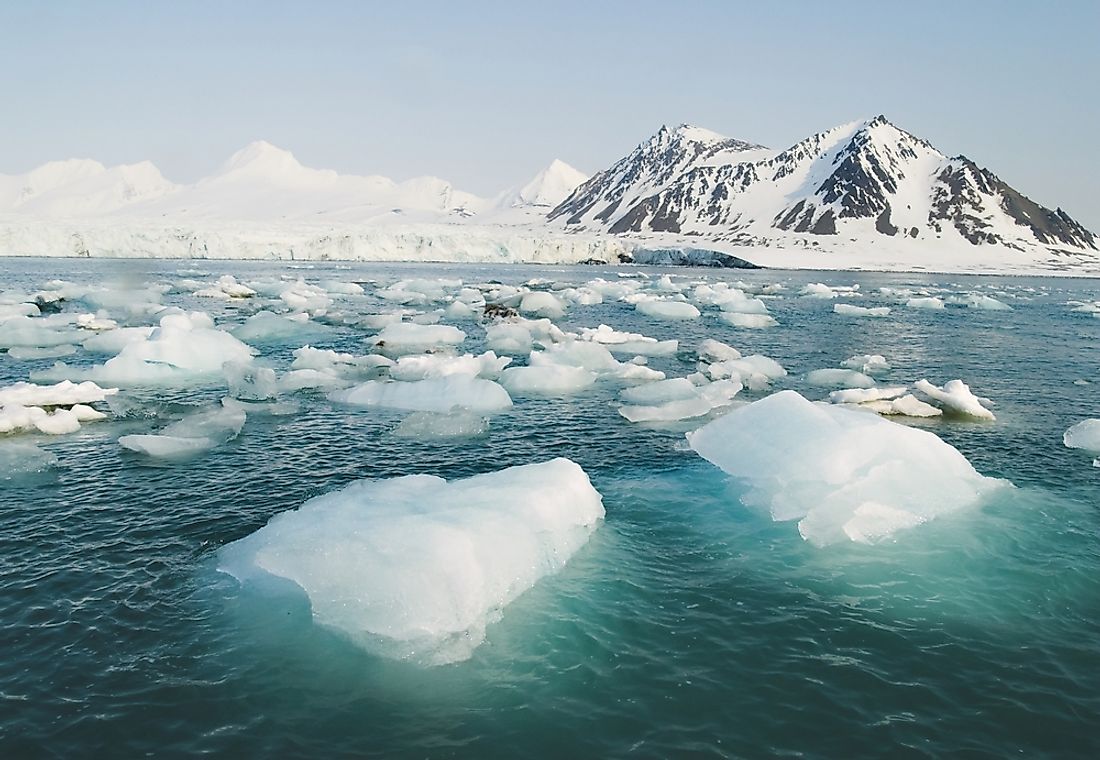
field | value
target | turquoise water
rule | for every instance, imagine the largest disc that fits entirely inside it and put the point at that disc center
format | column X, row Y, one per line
column 688, row 625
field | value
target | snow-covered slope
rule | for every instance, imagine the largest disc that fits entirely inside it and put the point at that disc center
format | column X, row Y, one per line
column 861, row 195
column 79, row 187
column 546, row 189
column 857, row 182
column 263, row 182
column 650, row 168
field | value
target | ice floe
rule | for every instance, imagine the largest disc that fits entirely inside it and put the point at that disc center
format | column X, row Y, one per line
column 851, row 310
column 666, row 309
column 955, row 397
column 456, row 392
column 197, row 432
column 546, row 379
column 843, row 474
column 416, row 568
column 670, row 408
column 183, row 348
column 1084, row 435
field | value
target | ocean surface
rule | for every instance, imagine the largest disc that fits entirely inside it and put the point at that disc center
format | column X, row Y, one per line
column 689, row 625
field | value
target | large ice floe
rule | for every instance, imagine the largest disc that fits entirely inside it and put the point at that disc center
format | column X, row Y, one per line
column 843, row 474
column 51, row 409
column 183, row 348
column 416, row 567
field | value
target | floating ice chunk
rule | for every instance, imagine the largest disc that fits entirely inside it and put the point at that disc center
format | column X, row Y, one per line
column 226, row 287
column 632, row 372
column 542, row 304
column 750, row 321
column 707, row 398
column 436, row 395
column 308, row 357
column 755, row 371
column 33, row 332
column 95, row 323
column 342, row 288
column 197, row 432
column 821, row 290
column 507, row 337
column 302, row 296
column 582, row 296
column 113, row 341
column 842, row 473
column 613, row 291
column 65, row 393
column 429, row 425
column 869, row 364
column 735, row 301
column 410, row 338
column 863, row 395
column 22, row 459
column 674, row 389
column 715, row 351
column 662, row 309
column 629, row 343
column 906, row 406
column 416, row 568
column 18, row 309
column 24, row 353
column 422, row 367
column 268, row 327
column 166, row 446
column 847, row 378
column 184, row 347
column 249, row 382
column 590, row 356
column 979, row 301
column 60, row 422
column 851, row 310
column 888, row 401
column 987, row 303
column 546, row 379
column 930, row 302
column 85, row 413
column 459, row 310
column 956, row 397
column 1084, row 435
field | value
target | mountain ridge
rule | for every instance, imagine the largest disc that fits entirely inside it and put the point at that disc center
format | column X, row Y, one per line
column 861, row 183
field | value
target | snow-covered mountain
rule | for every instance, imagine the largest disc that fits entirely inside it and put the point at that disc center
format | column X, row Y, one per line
column 865, row 194
column 263, row 182
column 546, row 189
column 862, row 181
column 80, row 187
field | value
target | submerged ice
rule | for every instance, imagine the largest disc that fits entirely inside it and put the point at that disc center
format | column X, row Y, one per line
column 416, row 567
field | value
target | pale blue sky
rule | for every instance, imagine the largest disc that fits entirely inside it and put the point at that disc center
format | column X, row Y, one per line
column 485, row 93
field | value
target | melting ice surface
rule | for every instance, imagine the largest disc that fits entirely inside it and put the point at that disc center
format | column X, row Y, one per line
column 416, row 567
column 841, row 473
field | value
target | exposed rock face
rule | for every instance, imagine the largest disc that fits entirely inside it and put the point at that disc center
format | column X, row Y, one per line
column 860, row 180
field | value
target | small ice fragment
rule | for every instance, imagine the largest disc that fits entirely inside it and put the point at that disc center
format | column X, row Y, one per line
column 955, row 396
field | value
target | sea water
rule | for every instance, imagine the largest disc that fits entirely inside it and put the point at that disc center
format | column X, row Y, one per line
column 688, row 625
